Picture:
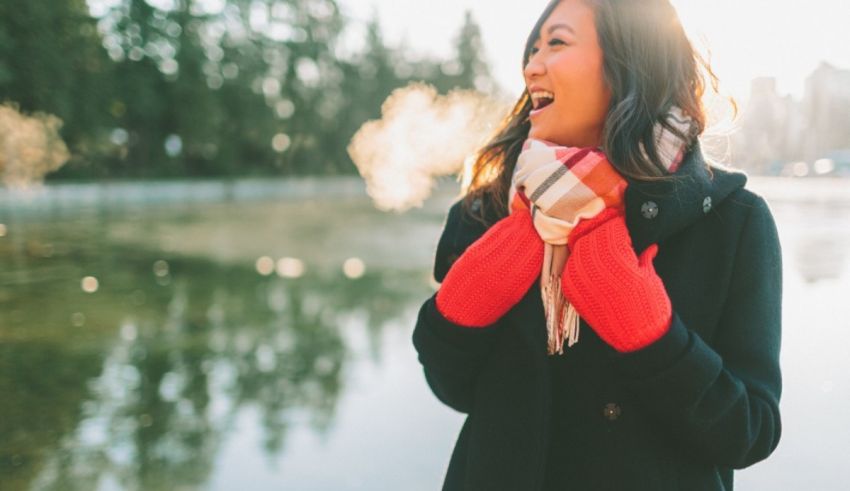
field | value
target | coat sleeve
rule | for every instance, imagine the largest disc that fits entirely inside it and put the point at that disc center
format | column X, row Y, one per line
column 451, row 355
column 723, row 401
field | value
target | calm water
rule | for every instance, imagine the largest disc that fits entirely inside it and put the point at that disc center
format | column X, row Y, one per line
column 148, row 347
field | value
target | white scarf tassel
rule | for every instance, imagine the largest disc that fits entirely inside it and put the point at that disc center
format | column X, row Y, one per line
column 562, row 326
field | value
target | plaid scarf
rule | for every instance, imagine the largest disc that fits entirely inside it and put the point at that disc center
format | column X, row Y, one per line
column 561, row 185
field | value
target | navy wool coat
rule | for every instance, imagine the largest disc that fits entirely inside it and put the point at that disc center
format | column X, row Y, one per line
column 680, row 414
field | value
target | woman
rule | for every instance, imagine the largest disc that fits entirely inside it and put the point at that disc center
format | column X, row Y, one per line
column 594, row 212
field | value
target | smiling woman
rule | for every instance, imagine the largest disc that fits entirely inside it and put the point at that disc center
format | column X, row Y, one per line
column 565, row 67
column 605, row 218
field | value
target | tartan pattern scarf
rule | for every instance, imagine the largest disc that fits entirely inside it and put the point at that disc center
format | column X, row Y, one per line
column 559, row 185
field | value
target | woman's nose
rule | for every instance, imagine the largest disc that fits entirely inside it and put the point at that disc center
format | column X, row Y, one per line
column 533, row 68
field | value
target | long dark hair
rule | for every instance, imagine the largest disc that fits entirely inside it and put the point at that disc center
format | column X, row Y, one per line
column 649, row 64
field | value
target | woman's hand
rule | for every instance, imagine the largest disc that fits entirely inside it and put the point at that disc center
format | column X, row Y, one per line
column 493, row 273
column 618, row 293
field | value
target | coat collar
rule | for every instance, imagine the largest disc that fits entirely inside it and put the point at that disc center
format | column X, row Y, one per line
column 656, row 210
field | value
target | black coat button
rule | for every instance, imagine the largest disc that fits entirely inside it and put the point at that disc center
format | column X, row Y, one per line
column 611, row 411
column 649, row 209
column 706, row 204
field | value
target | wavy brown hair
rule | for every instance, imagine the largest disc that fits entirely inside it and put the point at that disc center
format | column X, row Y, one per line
column 649, row 64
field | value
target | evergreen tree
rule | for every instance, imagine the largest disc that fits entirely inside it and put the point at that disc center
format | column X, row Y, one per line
column 468, row 69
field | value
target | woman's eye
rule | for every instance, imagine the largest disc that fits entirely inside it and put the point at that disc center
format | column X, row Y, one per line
column 552, row 42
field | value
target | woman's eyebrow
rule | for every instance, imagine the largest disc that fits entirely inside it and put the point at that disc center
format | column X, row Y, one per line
column 561, row 26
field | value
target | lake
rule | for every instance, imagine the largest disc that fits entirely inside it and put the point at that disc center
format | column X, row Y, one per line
column 256, row 335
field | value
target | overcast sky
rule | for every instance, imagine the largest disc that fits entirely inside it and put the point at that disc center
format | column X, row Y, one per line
column 748, row 38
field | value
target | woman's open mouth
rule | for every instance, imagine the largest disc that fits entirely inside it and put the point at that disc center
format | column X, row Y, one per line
column 541, row 100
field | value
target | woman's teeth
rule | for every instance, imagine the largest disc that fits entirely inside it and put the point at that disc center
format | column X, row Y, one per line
column 541, row 99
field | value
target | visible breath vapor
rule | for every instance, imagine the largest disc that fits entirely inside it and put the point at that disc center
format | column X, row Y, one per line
column 30, row 147
column 421, row 135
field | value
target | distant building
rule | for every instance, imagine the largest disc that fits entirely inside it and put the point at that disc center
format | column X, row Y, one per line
column 826, row 108
column 768, row 123
column 781, row 136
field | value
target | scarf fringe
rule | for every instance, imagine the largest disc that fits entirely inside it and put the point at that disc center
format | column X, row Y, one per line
column 559, row 325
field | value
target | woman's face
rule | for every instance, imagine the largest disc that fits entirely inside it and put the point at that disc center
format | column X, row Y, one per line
column 566, row 62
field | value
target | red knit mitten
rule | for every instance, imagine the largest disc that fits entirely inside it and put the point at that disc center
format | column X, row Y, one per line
column 618, row 293
column 493, row 273
column 585, row 225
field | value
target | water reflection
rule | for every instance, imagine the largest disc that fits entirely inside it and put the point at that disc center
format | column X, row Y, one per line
column 821, row 258
column 138, row 381
column 815, row 235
